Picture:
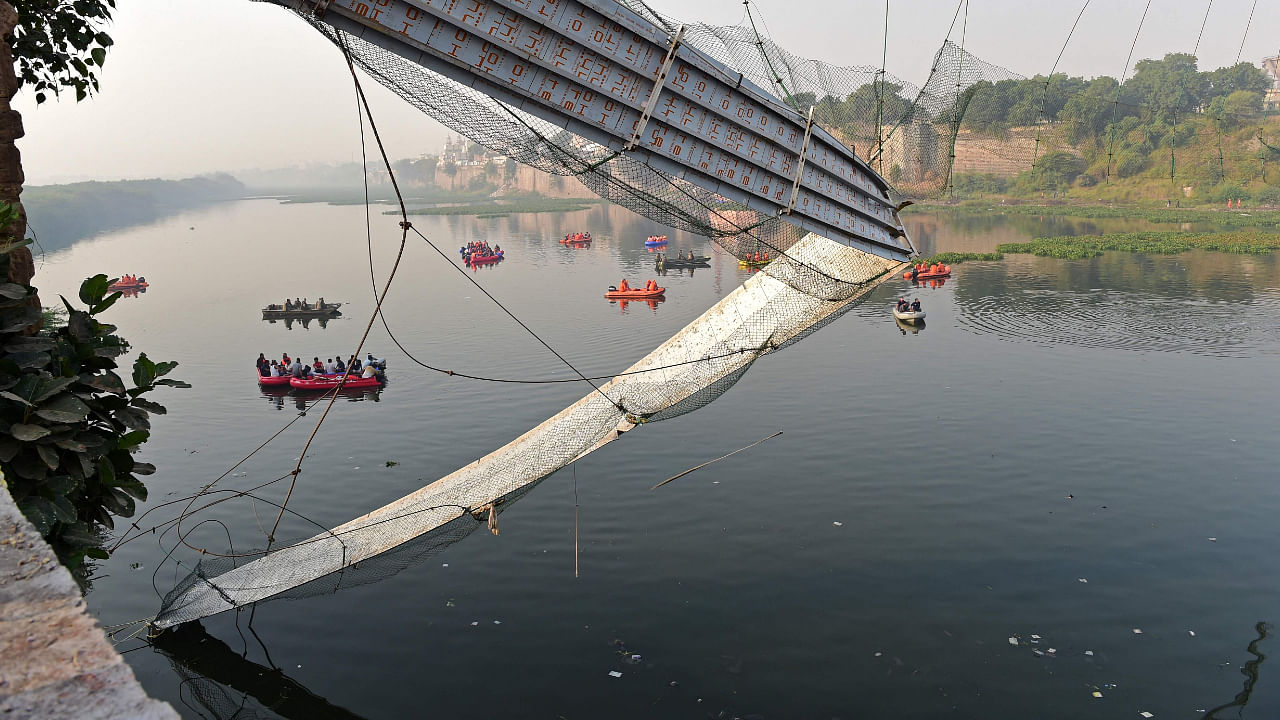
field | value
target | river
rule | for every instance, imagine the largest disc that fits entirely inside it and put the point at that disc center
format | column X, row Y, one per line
column 1064, row 484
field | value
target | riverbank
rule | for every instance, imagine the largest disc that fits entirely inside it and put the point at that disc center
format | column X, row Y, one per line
column 1247, row 217
column 57, row 662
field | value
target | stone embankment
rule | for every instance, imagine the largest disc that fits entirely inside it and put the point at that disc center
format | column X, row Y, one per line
column 55, row 662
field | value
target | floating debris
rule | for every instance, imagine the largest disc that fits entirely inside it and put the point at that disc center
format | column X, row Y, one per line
column 1192, row 633
column 1038, row 653
column 1146, row 714
column 497, row 622
column 1137, row 631
column 392, row 463
column 838, row 523
column 1097, row 694
column 1035, row 637
column 1213, row 539
column 1052, row 651
column 1013, row 641
column 1083, row 580
column 1089, row 653
column 475, row 623
column 615, row 673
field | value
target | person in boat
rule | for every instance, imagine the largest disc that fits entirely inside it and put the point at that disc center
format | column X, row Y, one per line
column 338, row 365
column 296, row 369
column 623, row 286
column 275, row 369
column 262, row 364
column 915, row 305
column 320, row 304
column 651, row 285
column 316, row 365
column 330, row 368
column 766, row 255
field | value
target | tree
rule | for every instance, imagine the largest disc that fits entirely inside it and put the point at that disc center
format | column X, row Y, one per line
column 1165, row 88
column 60, row 44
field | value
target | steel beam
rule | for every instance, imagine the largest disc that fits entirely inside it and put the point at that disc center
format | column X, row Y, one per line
column 593, row 66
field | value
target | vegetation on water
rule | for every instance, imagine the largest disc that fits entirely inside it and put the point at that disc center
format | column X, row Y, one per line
column 1235, row 218
column 1151, row 243
column 69, row 425
column 953, row 258
column 509, row 206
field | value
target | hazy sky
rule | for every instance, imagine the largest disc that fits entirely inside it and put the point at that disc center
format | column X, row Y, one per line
column 195, row 87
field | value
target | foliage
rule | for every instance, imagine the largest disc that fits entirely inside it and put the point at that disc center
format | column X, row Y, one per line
column 60, row 44
column 1253, row 218
column 952, row 258
column 1076, row 247
column 69, row 425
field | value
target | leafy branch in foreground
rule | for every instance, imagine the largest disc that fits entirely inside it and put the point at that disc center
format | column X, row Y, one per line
column 69, row 425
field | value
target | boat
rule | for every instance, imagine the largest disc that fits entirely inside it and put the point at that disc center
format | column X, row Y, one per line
column 689, row 262
column 125, row 286
column 634, row 293
column 329, row 382
column 753, row 263
column 277, row 312
column 269, row 381
column 655, row 240
column 925, row 275
column 484, row 259
column 576, row 239
column 909, row 316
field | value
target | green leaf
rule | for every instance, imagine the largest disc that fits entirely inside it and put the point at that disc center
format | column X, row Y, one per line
column 106, row 472
column 48, row 455
column 63, row 510
column 97, row 553
column 132, row 439
column 104, row 381
column 29, row 359
column 164, row 368
column 12, row 291
column 29, row 344
column 103, row 39
column 141, row 468
column 134, row 488
column 39, row 511
column 47, row 387
column 28, row 433
column 149, row 406
column 133, row 418
column 65, row 408
column 118, row 502
column 93, row 289
column 10, row 396
column 173, row 383
column 111, row 300
column 8, row 448
column 60, row 484
column 144, row 371
column 99, row 56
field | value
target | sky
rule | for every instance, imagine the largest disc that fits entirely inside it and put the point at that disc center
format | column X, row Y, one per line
column 222, row 85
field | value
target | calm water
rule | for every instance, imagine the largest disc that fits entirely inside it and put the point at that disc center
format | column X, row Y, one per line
column 1073, row 450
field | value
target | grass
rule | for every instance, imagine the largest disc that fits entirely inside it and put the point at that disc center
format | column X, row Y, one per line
column 509, row 206
column 1244, row 218
column 1151, row 243
column 951, row 258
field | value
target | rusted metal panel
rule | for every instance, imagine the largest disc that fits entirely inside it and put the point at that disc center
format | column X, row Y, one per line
column 591, row 66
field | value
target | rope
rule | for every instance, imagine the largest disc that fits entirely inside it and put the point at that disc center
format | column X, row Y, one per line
column 884, row 59
column 760, row 46
column 1044, row 99
column 1115, row 108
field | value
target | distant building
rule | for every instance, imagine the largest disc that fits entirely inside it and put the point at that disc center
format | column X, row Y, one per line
column 1271, row 101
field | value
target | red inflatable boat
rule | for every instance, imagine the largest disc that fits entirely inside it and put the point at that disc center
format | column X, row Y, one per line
column 635, row 294
column 925, row 274
column 329, row 382
column 484, row 259
column 268, row 381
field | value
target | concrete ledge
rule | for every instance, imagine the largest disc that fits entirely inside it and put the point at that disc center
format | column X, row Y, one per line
column 55, row 662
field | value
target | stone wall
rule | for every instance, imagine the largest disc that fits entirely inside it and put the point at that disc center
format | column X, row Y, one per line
column 55, row 662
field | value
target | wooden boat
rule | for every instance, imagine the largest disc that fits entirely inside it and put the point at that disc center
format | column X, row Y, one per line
column 634, row 293
column 690, row 262
column 908, row 316
column 329, row 382
column 277, row 312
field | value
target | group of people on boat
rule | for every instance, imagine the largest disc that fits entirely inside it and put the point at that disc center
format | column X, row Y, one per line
column 577, row 237
column 299, row 305
column 656, row 240
column 680, row 256
column 624, row 286
column 905, row 306
column 931, row 269
column 371, row 367
column 480, row 249
column 757, row 256
column 130, row 280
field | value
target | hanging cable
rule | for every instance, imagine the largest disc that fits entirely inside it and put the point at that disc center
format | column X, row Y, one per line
column 1044, row 98
column 958, row 113
column 1115, row 107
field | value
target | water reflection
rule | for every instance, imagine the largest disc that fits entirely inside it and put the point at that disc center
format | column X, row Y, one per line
column 1250, row 672
column 276, row 396
column 228, row 685
column 913, row 328
column 651, row 302
column 304, row 322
